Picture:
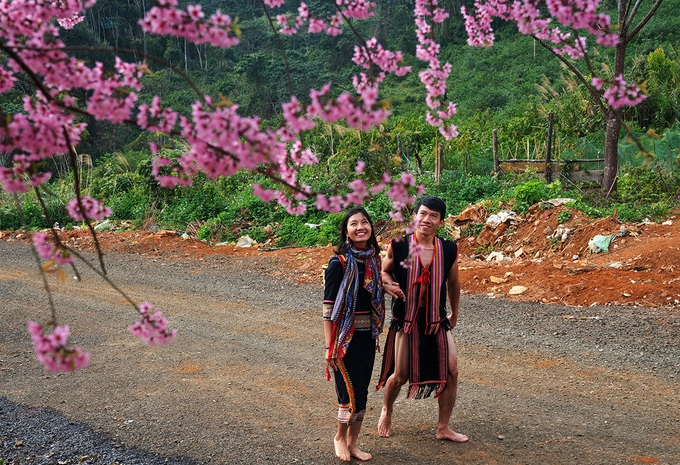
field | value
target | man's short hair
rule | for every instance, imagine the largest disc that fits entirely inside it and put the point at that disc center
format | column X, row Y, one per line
column 433, row 203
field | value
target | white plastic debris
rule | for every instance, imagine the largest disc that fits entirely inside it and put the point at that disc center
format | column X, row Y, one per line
column 103, row 226
column 504, row 216
column 315, row 226
column 245, row 241
column 560, row 201
column 497, row 257
column 561, row 233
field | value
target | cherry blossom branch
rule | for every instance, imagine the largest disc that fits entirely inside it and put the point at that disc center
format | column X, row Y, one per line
column 146, row 56
column 221, row 142
column 46, row 286
column 27, row 69
column 58, row 245
column 280, row 43
column 591, row 89
column 52, row 350
column 80, row 211
column 581, row 15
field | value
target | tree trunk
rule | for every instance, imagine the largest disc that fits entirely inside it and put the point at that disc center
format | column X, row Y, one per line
column 611, row 150
column 614, row 119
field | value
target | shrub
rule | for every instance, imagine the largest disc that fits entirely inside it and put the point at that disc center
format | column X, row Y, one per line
column 458, row 191
column 533, row 191
column 641, row 184
column 130, row 205
column 9, row 218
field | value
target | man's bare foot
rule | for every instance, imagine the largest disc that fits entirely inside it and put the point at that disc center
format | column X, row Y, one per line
column 385, row 423
column 360, row 454
column 341, row 449
column 450, row 435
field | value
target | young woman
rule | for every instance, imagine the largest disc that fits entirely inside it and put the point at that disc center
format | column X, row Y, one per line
column 354, row 313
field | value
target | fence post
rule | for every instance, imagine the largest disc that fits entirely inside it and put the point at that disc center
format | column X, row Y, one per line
column 438, row 165
column 496, row 163
column 548, row 150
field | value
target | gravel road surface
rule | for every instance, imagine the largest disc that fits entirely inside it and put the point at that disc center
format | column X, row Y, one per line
column 244, row 381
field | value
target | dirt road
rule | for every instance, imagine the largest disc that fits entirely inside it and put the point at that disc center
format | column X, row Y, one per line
column 244, row 382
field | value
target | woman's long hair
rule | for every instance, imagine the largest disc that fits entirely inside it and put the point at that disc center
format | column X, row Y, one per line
column 341, row 249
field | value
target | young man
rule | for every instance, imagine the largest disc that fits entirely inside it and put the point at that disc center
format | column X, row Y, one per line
column 419, row 347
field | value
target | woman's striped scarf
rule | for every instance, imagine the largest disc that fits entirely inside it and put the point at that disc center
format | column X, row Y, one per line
column 345, row 302
column 431, row 280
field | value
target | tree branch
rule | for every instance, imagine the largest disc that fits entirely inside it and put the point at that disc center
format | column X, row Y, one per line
column 645, row 20
column 278, row 40
column 50, row 300
column 593, row 92
column 73, row 156
column 146, row 56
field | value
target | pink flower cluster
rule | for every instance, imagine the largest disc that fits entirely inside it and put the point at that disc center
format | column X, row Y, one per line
column 401, row 191
column 34, row 136
column 7, row 80
column 70, row 23
column 52, row 352
column 374, row 54
column 578, row 15
column 47, row 126
column 354, row 9
column 152, row 328
column 221, row 141
column 414, row 249
column 527, row 14
column 48, row 251
column 434, row 77
column 91, row 208
column 165, row 18
column 620, row 94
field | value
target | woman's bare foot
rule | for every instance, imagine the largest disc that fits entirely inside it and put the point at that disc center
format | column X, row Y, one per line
column 341, row 449
column 385, row 423
column 360, row 454
column 450, row 435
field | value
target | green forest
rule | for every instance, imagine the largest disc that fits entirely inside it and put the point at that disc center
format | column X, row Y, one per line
column 509, row 89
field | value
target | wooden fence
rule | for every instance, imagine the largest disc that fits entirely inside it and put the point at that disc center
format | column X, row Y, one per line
column 577, row 170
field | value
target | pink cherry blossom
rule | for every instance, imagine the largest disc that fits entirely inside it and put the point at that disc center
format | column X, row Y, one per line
column 435, row 76
column 622, row 94
column 91, row 208
column 166, row 19
column 530, row 20
column 70, row 23
column 48, row 251
column 152, row 328
column 52, row 351
column 359, row 193
column 266, row 195
column 7, row 80
column 578, row 16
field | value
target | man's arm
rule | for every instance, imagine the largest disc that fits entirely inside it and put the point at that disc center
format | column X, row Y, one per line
column 453, row 291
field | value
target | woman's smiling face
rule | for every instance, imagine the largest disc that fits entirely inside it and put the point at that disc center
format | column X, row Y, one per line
column 359, row 230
